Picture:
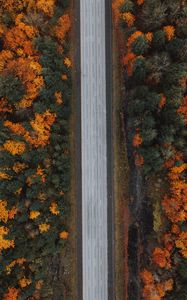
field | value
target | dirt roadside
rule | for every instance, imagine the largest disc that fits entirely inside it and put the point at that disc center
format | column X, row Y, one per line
column 66, row 287
column 121, row 174
column 71, row 255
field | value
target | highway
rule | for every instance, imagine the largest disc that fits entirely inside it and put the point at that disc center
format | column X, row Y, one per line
column 94, row 150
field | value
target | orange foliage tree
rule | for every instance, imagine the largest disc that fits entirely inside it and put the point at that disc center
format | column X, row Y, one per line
column 35, row 95
column 157, row 104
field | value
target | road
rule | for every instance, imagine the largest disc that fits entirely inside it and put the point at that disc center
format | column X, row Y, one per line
column 94, row 150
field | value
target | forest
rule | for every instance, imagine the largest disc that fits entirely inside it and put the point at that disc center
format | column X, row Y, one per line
column 154, row 67
column 35, row 106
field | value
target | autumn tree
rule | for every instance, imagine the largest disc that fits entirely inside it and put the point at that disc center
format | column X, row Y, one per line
column 35, row 101
column 155, row 67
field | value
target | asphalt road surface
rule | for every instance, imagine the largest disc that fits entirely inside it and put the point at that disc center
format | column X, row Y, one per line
column 94, row 150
